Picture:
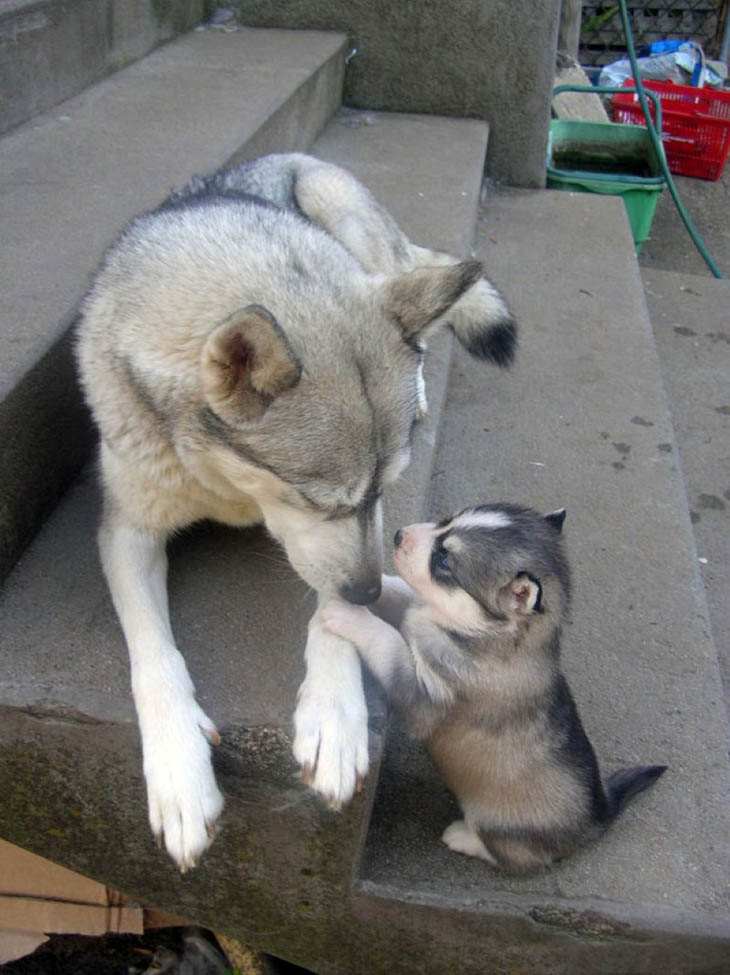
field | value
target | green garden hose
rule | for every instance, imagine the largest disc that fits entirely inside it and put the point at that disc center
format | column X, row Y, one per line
column 659, row 148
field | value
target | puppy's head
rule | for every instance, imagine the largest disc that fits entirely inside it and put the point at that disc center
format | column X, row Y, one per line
column 491, row 570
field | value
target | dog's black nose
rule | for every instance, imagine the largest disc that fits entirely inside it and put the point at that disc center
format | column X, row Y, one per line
column 361, row 593
column 398, row 538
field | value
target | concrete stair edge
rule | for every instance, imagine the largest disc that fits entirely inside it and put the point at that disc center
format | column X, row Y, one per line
column 41, row 412
column 688, row 314
column 534, row 937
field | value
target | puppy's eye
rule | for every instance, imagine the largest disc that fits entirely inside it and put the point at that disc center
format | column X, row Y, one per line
column 441, row 567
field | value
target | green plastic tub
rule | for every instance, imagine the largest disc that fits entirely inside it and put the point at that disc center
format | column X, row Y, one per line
column 603, row 157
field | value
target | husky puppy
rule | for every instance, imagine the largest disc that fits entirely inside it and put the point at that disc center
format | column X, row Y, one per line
column 251, row 352
column 468, row 647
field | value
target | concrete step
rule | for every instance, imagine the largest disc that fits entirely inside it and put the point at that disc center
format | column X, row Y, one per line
column 54, row 49
column 279, row 875
column 582, row 421
column 689, row 316
column 72, row 176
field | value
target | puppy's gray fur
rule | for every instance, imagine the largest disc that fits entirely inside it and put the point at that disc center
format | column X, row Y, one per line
column 251, row 351
column 467, row 644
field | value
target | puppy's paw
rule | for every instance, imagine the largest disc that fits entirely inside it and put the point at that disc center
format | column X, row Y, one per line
column 345, row 620
column 331, row 740
column 461, row 838
column 183, row 800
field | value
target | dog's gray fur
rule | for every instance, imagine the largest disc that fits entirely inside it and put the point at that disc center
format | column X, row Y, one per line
column 471, row 654
column 251, row 351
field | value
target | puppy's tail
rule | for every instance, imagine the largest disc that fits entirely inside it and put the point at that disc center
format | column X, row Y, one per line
column 622, row 786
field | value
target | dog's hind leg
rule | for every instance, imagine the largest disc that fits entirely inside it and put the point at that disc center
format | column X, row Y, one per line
column 183, row 798
column 332, row 198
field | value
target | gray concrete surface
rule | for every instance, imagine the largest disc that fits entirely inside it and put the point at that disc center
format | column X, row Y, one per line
column 484, row 59
column 72, row 176
column 690, row 316
column 690, row 311
column 583, row 421
column 670, row 247
column 54, row 49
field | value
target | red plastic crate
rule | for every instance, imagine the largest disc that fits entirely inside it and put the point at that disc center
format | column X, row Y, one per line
column 695, row 125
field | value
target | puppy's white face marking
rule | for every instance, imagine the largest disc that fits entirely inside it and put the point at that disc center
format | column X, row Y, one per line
column 412, row 555
column 479, row 519
column 455, row 609
column 452, row 606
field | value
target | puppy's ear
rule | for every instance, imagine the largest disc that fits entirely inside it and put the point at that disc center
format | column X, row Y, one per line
column 524, row 594
column 555, row 519
column 418, row 298
column 245, row 363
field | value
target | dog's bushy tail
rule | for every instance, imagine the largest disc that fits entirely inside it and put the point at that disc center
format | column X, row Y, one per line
column 480, row 319
column 623, row 785
column 484, row 325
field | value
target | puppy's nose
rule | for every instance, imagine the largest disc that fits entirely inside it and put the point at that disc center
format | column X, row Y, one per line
column 361, row 593
column 398, row 538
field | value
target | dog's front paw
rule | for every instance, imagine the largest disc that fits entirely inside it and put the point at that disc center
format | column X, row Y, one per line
column 331, row 741
column 183, row 800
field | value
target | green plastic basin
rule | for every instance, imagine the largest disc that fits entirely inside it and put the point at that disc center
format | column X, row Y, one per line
column 603, row 157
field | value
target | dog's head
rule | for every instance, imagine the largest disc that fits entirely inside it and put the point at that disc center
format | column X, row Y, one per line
column 492, row 569
column 310, row 406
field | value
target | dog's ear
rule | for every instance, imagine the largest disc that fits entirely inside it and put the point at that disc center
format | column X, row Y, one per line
column 555, row 519
column 418, row 298
column 246, row 362
column 524, row 594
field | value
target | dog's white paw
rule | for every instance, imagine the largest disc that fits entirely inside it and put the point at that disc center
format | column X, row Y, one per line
column 183, row 800
column 331, row 741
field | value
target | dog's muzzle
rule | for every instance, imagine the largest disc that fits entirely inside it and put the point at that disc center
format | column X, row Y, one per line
column 362, row 592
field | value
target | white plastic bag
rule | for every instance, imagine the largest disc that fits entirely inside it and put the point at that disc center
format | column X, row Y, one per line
column 682, row 62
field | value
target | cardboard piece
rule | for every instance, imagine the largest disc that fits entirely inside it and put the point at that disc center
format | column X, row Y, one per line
column 38, row 897
column 577, row 105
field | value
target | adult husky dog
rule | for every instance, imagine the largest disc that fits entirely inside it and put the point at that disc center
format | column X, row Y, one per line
column 251, row 353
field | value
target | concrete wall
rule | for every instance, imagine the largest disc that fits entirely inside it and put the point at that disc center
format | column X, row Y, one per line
column 489, row 59
column 52, row 49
